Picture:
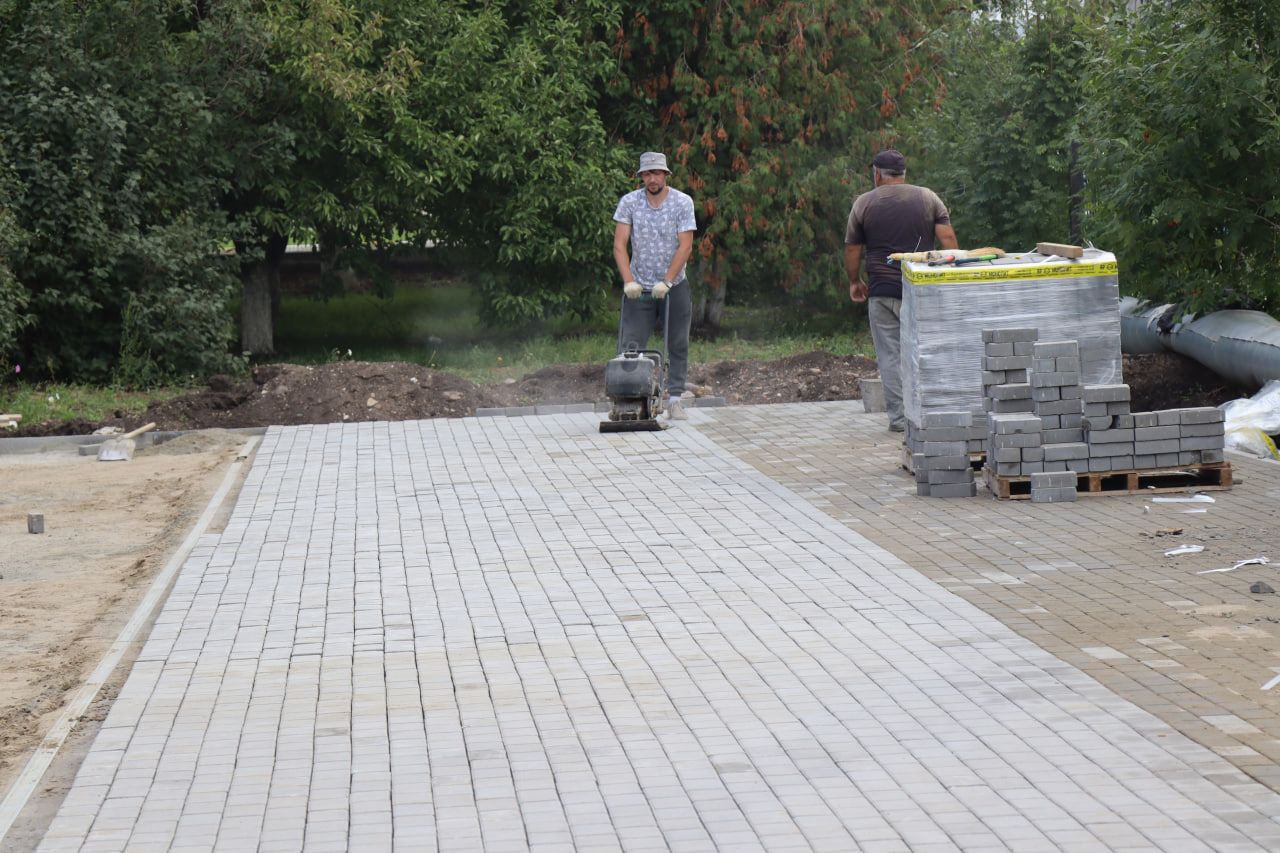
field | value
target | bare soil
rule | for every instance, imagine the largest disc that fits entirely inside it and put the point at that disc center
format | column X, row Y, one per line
column 287, row 394
column 65, row 594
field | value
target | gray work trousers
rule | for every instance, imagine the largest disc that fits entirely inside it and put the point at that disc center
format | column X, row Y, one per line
column 886, row 327
column 640, row 316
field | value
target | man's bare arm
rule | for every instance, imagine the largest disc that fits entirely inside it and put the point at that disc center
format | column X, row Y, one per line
column 683, row 250
column 946, row 236
column 621, row 236
column 853, row 266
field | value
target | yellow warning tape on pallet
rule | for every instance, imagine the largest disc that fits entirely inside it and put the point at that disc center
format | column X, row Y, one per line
column 970, row 275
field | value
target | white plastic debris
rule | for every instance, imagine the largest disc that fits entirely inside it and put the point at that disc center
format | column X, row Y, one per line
column 1252, row 421
column 1192, row 511
column 1252, row 561
column 1272, row 683
column 1184, row 499
column 1184, row 549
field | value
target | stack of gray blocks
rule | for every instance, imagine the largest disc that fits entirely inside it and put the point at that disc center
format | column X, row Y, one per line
column 1006, row 369
column 1125, row 441
column 1051, row 487
column 942, row 462
column 1014, row 444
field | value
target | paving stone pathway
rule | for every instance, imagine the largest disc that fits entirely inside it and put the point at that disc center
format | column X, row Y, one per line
column 516, row 633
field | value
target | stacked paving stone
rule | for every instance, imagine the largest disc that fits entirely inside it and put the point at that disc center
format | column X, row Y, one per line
column 1014, row 447
column 1057, row 397
column 942, row 462
column 1049, row 487
column 1006, row 368
column 1109, row 428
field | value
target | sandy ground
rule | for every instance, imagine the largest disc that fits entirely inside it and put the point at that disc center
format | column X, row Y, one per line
column 65, row 594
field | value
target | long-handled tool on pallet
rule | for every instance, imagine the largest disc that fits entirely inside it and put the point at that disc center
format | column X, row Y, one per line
column 635, row 381
column 120, row 448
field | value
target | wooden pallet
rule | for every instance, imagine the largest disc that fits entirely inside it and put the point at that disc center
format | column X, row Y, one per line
column 1206, row 477
column 976, row 460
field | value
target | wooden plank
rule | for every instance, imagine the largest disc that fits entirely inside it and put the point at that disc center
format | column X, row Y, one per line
column 1062, row 250
column 1207, row 477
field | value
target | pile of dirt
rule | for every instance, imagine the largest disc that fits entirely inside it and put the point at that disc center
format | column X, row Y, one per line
column 362, row 391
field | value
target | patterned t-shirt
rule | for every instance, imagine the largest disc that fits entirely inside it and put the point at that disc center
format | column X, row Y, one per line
column 655, row 232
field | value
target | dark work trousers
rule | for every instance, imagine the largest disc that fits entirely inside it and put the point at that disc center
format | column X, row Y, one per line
column 641, row 316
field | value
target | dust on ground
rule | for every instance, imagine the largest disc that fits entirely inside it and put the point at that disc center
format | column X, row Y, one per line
column 351, row 391
column 65, row 594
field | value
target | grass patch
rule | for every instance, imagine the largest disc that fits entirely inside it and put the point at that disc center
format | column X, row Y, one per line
column 435, row 323
column 57, row 401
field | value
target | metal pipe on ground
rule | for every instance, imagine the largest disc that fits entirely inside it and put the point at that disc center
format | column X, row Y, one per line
column 1243, row 346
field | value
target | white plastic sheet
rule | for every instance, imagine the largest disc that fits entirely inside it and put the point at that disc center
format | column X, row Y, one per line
column 1253, row 420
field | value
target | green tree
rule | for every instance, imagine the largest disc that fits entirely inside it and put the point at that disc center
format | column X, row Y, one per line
column 1182, row 138
column 998, row 147
column 771, row 112
column 106, row 139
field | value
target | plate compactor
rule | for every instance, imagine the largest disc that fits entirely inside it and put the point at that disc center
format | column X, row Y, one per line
column 635, row 381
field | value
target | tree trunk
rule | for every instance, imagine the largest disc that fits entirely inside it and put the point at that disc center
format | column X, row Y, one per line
column 260, row 297
column 1075, row 198
column 708, row 313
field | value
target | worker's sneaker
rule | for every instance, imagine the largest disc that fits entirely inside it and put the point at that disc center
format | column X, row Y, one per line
column 675, row 410
column 898, row 426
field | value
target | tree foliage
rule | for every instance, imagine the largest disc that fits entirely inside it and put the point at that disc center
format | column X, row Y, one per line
column 1182, row 123
column 997, row 148
column 108, row 140
column 772, row 111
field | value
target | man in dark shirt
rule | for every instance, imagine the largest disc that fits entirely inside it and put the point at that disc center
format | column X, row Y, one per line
column 893, row 217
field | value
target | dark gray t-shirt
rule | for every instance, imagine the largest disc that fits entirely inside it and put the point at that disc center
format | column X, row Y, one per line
column 893, row 218
column 655, row 232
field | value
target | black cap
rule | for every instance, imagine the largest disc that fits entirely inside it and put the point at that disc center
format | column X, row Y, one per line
column 891, row 160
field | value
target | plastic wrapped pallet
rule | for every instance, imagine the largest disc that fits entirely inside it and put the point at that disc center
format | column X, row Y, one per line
column 945, row 309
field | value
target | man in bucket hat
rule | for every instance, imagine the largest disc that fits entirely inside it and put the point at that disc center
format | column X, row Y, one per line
column 893, row 217
column 658, row 222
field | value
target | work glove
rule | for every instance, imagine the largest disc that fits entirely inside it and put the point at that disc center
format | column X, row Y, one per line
column 660, row 289
column 632, row 289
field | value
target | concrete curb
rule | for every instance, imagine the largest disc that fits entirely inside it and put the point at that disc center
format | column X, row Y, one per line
column 576, row 408
column 52, row 443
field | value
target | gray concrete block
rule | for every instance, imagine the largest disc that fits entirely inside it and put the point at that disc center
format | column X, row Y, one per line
column 1021, row 439
column 976, row 445
column 993, row 377
column 1095, row 410
column 579, row 408
column 946, row 419
column 1017, row 375
column 1071, row 421
column 1069, row 450
column 1008, row 424
column 1105, row 393
column 491, row 412
column 945, row 448
column 522, row 411
column 1079, row 466
column 1122, row 463
column 1211, row 456
column 1118, row 407
column 1009, row 335
column 1189, row 457
column 35, row 522
column 1006, row 406
column 872, row 393
column 1024, row 347
column 998, row 350
column 1067, row 364
column 1059, row 465
column 944, row 434
column 1143, row 461
column 1091, row 424
column 1145, row 419
column 712, row 401
column 1032, row 467
column 1168, row 445
column 1009, row 362
column 1201, row 442
column 1203, row 415
column 1122, row 421
column 603, row 407
column 954, row 490
column 1044, row 365
column 1053, row 496
column 1166, row 460
column 1056, row 349
column 1156, row 433
column 1071, row 392
column 1009, row 469
column 1050, row 421
column 1015, row 391
column 1048, row 394
column 1031, row 454
column 1049, row 480
column 942, row 477
column 1100, row 463
column 1061, row 436
column 1168, row 417
column 1059, row 407
column 1054, row 380
column 1110, row 436
column 1187, row 430
column 1007, row 454
column 549, row 409
column 922, row 490
column 948, row 463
